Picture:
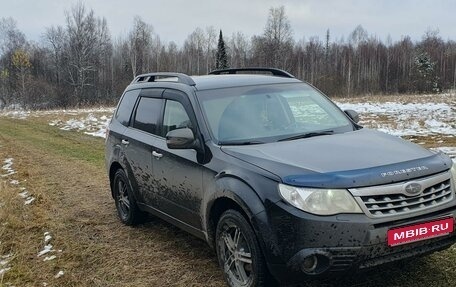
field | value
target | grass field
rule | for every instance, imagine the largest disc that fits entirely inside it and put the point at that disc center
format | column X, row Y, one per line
column 64, row 172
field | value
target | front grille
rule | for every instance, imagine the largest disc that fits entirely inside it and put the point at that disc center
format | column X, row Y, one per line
column 390, row 200
column 392, row 204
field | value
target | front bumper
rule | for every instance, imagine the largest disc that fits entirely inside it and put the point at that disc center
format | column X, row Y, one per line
column 340, row 243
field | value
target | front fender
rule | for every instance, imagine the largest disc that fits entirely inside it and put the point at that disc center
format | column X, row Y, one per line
column 244, row 196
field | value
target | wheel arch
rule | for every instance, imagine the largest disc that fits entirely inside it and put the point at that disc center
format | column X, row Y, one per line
column 232, row 193
column 112, row 171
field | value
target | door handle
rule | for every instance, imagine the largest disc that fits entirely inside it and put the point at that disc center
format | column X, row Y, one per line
column 125, row 142
column 157, row 155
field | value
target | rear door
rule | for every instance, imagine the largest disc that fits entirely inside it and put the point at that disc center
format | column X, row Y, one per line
column 137, row 141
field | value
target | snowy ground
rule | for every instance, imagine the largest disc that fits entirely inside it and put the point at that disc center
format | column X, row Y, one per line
column 90, row 124
column 411, row 119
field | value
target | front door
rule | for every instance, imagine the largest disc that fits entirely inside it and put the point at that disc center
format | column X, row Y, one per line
column 177, row 173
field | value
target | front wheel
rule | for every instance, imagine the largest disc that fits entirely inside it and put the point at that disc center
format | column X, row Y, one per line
column 238, row 251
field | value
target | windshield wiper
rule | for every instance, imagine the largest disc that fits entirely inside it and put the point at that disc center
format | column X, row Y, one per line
column 307, row 135
column 240, row 142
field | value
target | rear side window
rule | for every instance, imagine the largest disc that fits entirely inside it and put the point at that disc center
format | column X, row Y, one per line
column 126, row 106
column 148, row 114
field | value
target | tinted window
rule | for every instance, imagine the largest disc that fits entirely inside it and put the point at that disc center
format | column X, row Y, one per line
column 126, row 106
column 175, row 117
column 148, row 114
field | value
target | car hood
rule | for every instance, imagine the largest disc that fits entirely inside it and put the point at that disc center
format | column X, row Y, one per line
column 353, row 159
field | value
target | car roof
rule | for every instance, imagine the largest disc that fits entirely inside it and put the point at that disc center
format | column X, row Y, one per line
column 238, row 80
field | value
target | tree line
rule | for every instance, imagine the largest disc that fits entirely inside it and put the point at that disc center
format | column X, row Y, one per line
column 80, row 63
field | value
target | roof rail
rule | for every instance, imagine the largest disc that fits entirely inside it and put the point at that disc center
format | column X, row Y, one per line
column 273, row 71
column 164, row 77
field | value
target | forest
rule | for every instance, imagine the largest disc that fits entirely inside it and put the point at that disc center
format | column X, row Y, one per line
column 80, row 63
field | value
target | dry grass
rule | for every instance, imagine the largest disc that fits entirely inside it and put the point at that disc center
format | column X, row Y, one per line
column 74, row 205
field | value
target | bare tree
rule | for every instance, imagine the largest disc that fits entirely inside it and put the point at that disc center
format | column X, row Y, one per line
column 278, row 37
column 238, row 50
column 10, row 36
column 211, row 40
column 79, row 51
column 55, row 38
column 140, row 45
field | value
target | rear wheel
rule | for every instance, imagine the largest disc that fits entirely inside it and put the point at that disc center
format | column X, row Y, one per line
column 127, row 209
column 238, row 251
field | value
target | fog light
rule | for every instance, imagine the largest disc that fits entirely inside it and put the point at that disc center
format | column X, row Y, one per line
column 309, row 264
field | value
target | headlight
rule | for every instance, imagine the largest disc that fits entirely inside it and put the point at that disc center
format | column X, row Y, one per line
column 320, row 201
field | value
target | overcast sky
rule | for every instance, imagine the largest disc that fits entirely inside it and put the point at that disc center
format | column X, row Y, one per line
column 174, row 20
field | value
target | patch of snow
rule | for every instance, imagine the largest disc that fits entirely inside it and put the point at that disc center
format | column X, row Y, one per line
column 4, row 270
column 29, row 200
column 24, row 194
column 59, row 274
column 7, row 166
column 16, row 114
column 100, row 133
column 90, row 125
column 47, row 237
column 47, row 248
column 73, row 124
column 5, row 265
column 14, row 182
column 49, row 258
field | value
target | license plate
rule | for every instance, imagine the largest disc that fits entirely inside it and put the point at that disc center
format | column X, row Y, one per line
column 421, row 231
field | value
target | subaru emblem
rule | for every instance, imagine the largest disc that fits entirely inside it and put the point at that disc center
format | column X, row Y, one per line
column 412, row 188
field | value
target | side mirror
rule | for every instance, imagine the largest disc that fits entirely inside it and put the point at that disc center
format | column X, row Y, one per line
column 181, row 139
column 352, row 115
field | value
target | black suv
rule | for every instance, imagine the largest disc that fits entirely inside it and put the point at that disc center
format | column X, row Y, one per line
column 274, row 176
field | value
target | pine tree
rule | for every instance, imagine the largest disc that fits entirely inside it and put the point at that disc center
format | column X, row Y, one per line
column 424, row 74
column 221, row 61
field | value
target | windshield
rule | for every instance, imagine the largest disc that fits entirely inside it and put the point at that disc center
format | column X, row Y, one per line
column 269, row 113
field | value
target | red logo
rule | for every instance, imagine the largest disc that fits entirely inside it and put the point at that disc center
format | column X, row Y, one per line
column 417, row 232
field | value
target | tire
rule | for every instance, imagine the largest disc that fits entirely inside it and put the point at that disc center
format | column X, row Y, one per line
column 238, row 251
column 126, row 206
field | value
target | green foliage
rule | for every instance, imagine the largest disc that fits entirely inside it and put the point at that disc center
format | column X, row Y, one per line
column 424, row 75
